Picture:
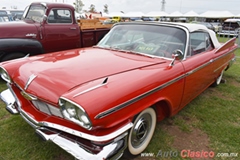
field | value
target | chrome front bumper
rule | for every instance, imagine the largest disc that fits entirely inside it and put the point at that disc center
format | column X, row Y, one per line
column 54, row 133
column 227, row 33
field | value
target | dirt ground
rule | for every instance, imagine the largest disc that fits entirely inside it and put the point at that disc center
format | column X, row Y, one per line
column 193, row 140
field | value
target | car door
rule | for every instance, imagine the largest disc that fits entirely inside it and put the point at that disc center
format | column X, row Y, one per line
column 198, row 66
column 60, row 31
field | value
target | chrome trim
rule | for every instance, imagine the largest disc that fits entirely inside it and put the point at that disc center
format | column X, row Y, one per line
column 75, row 132
column 28, row 96
column 135, row 99
column 29, row 118
column 4, row 78
column 207, row 63
column 29, row 121
column 92, row 88
column 221, row 67
column 198, row 68
column 8, row 98
column 32, row 35
column 113, row 151
column 30, row 79
column 224, row 54
column 74, row 119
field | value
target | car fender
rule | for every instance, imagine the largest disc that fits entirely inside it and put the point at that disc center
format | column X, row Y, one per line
column 25, row 46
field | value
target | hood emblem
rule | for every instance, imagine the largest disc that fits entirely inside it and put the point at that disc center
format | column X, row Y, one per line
column 33, row 35
column 28, row 96
column 30, row 79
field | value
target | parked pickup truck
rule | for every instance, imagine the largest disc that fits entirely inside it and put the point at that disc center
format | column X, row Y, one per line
column 46, row 27
column 230, row 27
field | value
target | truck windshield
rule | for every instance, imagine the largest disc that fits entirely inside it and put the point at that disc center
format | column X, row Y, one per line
column 35, row 13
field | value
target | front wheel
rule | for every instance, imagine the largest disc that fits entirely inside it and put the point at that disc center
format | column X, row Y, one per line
column 141, row 133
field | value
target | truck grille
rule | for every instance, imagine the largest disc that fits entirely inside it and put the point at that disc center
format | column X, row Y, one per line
column 47, row 108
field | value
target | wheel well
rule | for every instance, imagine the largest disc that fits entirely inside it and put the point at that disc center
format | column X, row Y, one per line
column 162, row 110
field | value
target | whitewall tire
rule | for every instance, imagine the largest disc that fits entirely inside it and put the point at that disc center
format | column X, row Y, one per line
column 142, row 131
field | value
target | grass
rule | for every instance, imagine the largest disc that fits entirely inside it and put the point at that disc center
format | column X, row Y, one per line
column 216, row 113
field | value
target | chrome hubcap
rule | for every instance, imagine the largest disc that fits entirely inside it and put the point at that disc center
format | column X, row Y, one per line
column 141, row 130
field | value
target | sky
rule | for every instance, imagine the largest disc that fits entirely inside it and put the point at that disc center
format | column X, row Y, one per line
column 145, row 6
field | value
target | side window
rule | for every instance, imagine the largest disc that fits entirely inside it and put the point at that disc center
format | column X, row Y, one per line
column 59, row 16
column 199, row 42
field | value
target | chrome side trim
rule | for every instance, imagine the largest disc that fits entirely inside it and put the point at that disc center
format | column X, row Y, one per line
column 224, row 54
column 225, row 64
column 30, row 79
column 198, row 68
column 92, row 88
column 135, row 99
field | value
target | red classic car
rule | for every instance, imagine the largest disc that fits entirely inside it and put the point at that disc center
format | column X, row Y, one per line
column 103, row 102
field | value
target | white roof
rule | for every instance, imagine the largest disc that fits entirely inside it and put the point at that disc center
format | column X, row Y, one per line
column 175, row 14
column 196, row 27
column 217, row 14
column 232, row 20
column 190, row 14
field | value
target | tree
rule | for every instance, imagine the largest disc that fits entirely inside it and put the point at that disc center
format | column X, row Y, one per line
column 78, row 6
column 105, row 10
column 92, row 8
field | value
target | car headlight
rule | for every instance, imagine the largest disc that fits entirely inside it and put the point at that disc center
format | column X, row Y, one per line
column 74, row 112
column 4, row 75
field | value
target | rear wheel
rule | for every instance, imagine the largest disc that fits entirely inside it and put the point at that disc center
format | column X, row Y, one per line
column 141, row 133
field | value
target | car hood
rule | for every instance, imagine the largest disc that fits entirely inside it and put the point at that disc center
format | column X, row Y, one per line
column 60, row 72
column 18, row 29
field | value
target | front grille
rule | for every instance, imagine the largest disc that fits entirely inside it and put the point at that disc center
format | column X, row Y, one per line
column 47, row 108
column 43, row 106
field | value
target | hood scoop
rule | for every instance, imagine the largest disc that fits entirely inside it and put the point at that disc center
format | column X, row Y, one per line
column 92, row 88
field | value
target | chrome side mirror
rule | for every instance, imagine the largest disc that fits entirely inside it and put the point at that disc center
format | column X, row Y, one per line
column 45, row 17
column 177, row 55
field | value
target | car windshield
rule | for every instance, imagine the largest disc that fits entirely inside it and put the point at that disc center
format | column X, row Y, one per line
column 35, row 13
column 152, row 40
